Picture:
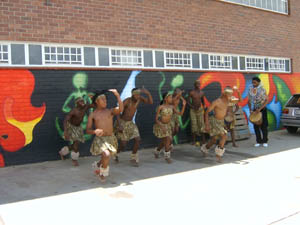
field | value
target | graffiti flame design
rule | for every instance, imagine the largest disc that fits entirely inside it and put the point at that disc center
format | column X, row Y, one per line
column 17, row 115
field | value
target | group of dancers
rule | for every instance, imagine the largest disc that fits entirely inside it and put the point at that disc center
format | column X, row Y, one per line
column 212, row 120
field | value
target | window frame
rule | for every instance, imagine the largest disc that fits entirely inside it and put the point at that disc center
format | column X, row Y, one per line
column 261, row 8
column 8, row 54
column 126, row 49
column 254, row 69
column 57, row 64
column 190, row 59
column 222, row 55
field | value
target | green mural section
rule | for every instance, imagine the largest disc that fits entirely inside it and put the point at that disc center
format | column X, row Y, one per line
column 80, row 82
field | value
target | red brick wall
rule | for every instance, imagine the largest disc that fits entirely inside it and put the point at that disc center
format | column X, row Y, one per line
column 198, row 25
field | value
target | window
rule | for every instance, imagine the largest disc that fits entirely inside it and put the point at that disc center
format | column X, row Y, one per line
column 125, row 57
column 255, row 63
column 277, row 65
column 62, row 55
column 4, row 54
column 280, row 6
column 294, row 101
column 220, row 62
column 177, row 59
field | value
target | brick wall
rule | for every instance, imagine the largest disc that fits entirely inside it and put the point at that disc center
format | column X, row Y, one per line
column 199, row 25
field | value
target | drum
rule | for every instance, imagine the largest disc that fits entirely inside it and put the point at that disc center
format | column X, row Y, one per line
column 256, row 118
column 229, row 118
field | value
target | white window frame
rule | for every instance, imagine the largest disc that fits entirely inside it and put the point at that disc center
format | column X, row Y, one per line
column 266, row 9
column 57, row 62
column 255, row 69
column 164, row 51
column 274, row 69
column 223, row 68
column 8, row 54
column 179, row 65
column 126, row 65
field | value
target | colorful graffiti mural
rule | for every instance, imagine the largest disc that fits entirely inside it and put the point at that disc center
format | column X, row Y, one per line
column 279, row 88
column 17, row 115
column 25, row 94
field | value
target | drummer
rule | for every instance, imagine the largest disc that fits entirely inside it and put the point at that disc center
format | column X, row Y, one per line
column 229, row 119
column 257, row 102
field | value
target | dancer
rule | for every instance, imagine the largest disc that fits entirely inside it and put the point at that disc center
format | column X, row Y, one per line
column 230, row 119
column 197, row 108
column 73, row 131
column 125, row 128
column 162, row 127
column 105, row 143
column 215, row 123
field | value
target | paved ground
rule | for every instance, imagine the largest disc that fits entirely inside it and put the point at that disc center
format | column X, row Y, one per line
column 253, row 186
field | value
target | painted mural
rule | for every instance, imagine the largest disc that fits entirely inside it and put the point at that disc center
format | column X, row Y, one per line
column 30, row 133
column 18, row 116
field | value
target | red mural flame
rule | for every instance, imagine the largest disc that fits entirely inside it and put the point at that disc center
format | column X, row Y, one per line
column 236, row 79
column 17, row 115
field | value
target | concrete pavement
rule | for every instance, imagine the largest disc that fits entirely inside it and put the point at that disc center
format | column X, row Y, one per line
column 252, row 186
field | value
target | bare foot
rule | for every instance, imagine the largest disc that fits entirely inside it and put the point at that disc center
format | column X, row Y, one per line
column 134, row 163
column 168, row 160
column 75, row 162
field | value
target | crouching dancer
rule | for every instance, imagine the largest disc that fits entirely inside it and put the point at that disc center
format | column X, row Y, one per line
column 105, row 143
column 73, row 131
column 215, row 124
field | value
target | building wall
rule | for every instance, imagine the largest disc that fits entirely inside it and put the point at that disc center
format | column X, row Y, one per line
column 33, row 104
column 195, row 25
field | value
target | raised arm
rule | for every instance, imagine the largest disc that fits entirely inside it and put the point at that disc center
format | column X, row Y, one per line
column 178, row 95
column 149, row 99
column 183, row 107
column 117, row 110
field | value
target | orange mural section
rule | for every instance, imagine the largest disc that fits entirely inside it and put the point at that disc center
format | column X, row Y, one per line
column 17, row 115
column 224, row 79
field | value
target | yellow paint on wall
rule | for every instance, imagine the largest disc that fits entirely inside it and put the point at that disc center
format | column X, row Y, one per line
column 25, row 127
column 265, row 81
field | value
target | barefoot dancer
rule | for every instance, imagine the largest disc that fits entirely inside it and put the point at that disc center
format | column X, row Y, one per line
column 230, row 117
column 105, row 143
column 126, row 129
column 197, row 106
column 215, row 124
column 163, row 128
column 73, row 132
